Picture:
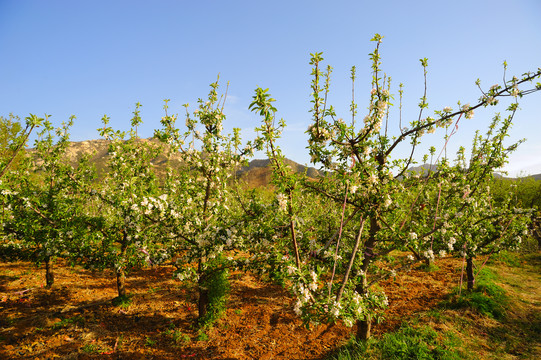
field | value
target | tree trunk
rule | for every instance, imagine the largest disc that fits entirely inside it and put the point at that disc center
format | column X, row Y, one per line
column 120, row 272
column 364, row 326
column 536, row 231
column 49, row 275
column 121, row 282
column 203, row 302
column 469, row 273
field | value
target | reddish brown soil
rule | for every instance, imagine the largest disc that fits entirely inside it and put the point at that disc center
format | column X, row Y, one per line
column 76, row 320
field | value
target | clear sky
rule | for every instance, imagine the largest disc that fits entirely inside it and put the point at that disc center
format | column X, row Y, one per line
column 90, row 58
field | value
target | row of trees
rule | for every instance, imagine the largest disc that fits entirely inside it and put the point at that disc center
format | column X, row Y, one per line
column 327, row 238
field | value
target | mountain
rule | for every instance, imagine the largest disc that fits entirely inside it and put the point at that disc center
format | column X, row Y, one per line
column 257, row 173
column 424, row 168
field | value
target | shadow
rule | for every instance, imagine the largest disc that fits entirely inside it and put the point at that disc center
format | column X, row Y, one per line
column 69, row 322
column 4, row 280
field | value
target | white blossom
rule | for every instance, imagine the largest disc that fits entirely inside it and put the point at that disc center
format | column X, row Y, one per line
column 282, row 201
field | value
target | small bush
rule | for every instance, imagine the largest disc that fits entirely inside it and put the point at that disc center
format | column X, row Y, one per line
column 218, row 287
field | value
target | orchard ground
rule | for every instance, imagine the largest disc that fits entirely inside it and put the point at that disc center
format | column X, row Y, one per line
column 77, row 320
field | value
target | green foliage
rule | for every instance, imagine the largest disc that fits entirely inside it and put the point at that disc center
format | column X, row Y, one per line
column 216, row 284
column 202, row 336
column 11, row 132
column 122, row 301
column 64, row 323
column 509, row 258
column 487, row 297
column 327, row 240
column 42, row 211
column 13, row 139
column 373, row 202
column 90, row 348
column 526, row 192
column 406, row 343
column 149, row 342
column 178, row 337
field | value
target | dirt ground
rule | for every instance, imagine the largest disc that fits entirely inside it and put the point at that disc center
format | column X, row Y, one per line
column 76, row 319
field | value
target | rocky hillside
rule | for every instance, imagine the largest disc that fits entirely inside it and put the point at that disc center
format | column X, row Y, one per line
column 257, row 173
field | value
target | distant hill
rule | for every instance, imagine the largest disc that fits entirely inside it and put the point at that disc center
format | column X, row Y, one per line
column 257, row 173
column 425, row 167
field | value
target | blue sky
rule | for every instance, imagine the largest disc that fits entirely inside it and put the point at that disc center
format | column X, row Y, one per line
column 90, row 58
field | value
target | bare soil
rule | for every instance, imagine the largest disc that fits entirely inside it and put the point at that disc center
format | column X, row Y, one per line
column 76, row 319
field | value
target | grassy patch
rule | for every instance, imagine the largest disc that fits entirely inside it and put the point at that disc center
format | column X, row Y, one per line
column 202, row 337
column 508, row 258
column 122, row 301
column 432, row 267
column 149, row 342
column 67, row 322
column 90, row 348
column 218, row 288
column 487, row 297
column 406, row 343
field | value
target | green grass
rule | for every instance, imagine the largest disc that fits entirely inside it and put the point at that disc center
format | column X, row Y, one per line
column 407, row 343
column 202, row 337
column 149, row 342
column 67, row 322
column 122, row 301
column 508, row 258
column 176, row 336
column 487, row 297
column 218, row 287
column 499, row 319
column 90, row 348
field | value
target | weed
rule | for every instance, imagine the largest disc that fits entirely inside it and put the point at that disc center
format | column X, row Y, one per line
column 429, row 267
column 90, row 348
column 122, row 301
column 9, row 321
column 150, row 341
column 177, row 336
column 390, row 259
column 180, row 338
column 64, row 323
column 202, row 337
